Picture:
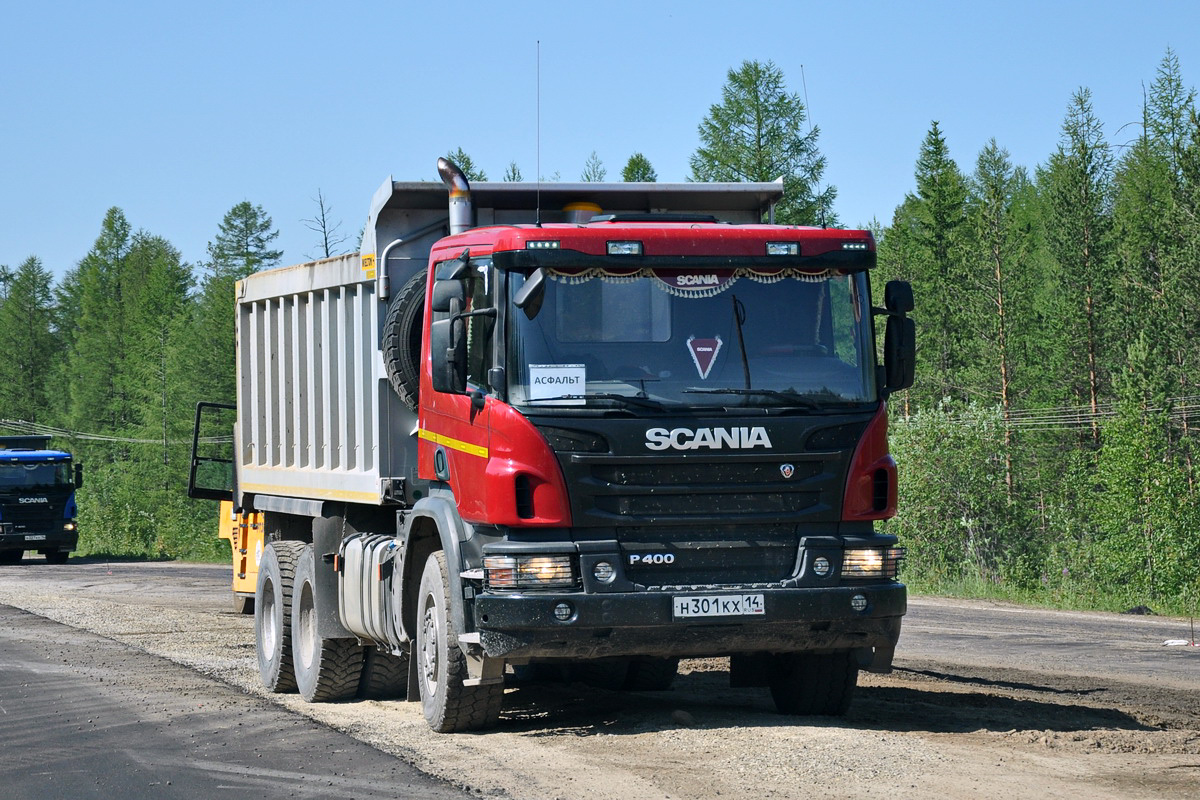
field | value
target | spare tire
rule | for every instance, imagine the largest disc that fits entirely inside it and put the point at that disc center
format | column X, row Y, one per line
column 402, row 329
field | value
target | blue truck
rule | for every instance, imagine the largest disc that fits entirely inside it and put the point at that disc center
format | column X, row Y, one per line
column 37, row 499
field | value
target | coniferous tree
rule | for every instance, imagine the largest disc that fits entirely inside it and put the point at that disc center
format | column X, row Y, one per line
column 242, row 246
column 756, row 133
column 1077, row 189
column 593, row 169
column 513, row 173
column 97, row 357
column 638, row 169
column 28, row 344
column 467, row 165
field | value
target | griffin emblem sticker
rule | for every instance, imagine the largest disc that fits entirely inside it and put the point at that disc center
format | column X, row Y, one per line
column 704, row 354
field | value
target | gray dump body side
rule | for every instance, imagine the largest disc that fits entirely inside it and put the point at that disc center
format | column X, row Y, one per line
column 317, row 419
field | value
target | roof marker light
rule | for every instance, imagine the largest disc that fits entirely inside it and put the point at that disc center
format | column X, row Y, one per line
column 854, row 245
column 541, row 244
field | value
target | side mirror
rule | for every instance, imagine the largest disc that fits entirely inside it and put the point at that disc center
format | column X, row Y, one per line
column 448, row 351
column 898, row 297
column 79, row 476
column 445, row 292
column 900, row 351
column 531, row 294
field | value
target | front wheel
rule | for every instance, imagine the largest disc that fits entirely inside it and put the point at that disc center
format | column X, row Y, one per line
column 808, row 684
column 449, row 705
column 326, row 669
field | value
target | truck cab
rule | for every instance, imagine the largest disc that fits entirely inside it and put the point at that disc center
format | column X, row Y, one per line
column 37, row 499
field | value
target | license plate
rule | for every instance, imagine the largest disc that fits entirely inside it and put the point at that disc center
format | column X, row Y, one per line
column 718, row 605
column 35, row 537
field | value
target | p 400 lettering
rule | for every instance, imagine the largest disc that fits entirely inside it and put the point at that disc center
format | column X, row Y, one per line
column 652, row 558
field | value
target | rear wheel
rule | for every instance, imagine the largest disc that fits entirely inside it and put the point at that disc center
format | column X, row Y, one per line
column 57, row 556
column 11, row 556
column 813, row 684
column 449, row 705
column 384, row 675
column 273, row 615
column 326, row 669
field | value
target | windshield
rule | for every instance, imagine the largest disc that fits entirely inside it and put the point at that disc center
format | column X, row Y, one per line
column 35, row 474
column 694, row 338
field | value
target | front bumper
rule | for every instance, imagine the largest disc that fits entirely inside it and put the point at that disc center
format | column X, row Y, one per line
column 640, row 623
column 43, row 539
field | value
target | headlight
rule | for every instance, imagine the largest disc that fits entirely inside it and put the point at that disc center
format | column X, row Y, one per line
column 872, row 563
column 528, row 572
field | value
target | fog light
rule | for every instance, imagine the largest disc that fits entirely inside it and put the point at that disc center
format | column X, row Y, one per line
column 604, row 572
column 68, row 526
column 563, row 612
column 858, row 602
column 821, row 566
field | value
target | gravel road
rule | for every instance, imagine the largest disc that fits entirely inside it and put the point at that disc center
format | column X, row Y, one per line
column 988, row 701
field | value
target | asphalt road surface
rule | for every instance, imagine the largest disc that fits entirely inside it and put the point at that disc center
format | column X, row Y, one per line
column 121, row 724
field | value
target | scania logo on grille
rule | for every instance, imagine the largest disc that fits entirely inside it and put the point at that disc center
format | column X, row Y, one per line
column 711, row 438
column 787, row 470
column 33, row 500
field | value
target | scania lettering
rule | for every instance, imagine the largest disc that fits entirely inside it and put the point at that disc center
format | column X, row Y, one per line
column 37, row 499
column 712, row 438
column 594, row 427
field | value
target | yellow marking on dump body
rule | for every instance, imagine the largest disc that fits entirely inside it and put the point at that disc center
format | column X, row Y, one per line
column 318, row 494
column 454, row 444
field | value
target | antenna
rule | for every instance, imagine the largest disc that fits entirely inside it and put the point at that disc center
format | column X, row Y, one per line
column 808, row 108
column 538, row 212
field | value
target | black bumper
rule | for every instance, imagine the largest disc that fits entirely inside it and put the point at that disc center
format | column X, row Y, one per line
column 641, row 623
column 56, row 539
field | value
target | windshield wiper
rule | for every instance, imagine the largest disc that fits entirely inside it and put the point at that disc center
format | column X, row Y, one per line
column 791, row 397
column 632, row 400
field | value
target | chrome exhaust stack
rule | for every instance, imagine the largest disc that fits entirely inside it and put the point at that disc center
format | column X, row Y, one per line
column 460, row 195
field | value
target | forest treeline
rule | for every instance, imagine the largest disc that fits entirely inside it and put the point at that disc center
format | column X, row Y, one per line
column 1047, row 450
column 1049, row 444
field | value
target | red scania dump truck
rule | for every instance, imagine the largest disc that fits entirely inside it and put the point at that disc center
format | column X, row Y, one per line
column 595, row 427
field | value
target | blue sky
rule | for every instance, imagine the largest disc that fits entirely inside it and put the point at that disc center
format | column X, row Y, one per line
column 174, row 112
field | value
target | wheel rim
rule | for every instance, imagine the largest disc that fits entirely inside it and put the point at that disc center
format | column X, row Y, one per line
column 307, row 627
column 430, row 635
column 269, row 633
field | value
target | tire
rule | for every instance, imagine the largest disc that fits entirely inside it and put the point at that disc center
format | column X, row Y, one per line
column 273, row 615
column 402, row 330
column 11, row 556
column 448, row 704
column 651, row 674
column 809, row 684
column 326, row 669
column 57, row 557
column 243, row 604
column 384, row 676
